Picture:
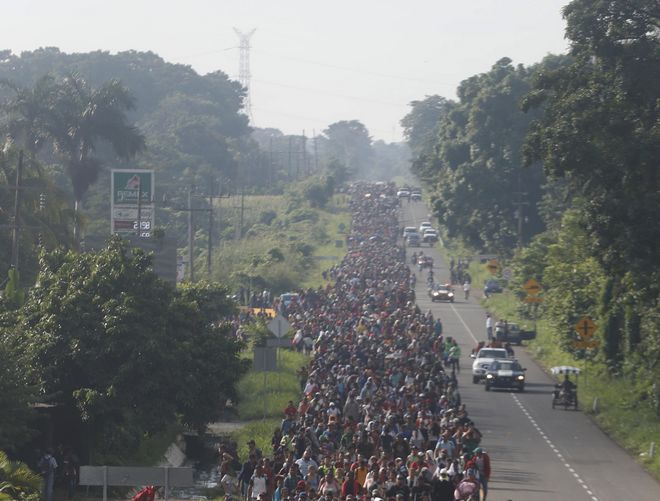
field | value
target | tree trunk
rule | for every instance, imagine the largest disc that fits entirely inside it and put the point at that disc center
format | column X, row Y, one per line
column 633, row 328
column 612, row 321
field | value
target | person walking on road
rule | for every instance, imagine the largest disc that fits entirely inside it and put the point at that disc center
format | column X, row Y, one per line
column 482, row 462
column 454, row 356
column 466, row 289
column 489, row 327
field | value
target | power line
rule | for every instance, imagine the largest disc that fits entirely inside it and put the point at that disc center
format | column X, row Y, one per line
column 355, row 70
column 330, row 93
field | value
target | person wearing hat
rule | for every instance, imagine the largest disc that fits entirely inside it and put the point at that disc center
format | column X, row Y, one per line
column 443, row 488
column 481, row 461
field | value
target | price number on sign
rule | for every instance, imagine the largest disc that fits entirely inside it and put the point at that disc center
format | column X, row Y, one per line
column 144, row 225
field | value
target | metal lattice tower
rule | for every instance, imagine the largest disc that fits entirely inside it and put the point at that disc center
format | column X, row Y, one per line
column 244, row 68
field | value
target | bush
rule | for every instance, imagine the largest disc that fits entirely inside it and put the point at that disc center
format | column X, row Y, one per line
column 299, row 215
column 267, row 217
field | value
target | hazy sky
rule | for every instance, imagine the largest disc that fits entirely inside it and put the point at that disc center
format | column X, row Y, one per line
column 313, row 63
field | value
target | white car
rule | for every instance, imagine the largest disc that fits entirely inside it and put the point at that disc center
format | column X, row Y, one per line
column 430, row 236
column 403, row 194
column 409, row 230
column 483, row 359
column 425, row 226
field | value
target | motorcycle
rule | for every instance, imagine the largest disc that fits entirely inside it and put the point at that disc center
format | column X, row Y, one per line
column 564, row 397
column 565, row 394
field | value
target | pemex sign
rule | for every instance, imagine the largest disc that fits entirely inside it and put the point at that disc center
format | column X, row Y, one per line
column 132, row 208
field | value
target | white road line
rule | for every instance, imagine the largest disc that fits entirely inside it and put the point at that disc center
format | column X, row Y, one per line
column 464, row 324
column 557, row 453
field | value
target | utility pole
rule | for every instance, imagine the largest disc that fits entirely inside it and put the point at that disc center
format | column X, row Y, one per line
column 17, row 206
column 316, row 153
column 304, row 154
column 209, row 253
column 290, row 147
column 138, row 229
column 271, row 175
column 240, row 226
column 519, row 212
column 191, row 240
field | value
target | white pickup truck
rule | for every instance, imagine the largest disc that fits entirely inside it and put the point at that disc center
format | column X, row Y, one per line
column 483, row 359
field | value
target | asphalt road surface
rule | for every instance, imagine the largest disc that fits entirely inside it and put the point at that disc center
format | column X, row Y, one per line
column 537, row 453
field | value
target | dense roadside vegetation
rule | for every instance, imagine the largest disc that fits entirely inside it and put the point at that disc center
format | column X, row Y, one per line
column 78, row 331
column 554, row 168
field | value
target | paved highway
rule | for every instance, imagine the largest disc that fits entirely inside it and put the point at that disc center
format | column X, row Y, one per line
column 537, row 453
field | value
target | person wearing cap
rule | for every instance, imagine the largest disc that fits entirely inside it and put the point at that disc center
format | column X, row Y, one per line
column 443, row 488
column 481, row 461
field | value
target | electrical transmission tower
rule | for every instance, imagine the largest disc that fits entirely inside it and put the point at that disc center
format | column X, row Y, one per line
column 244, row 68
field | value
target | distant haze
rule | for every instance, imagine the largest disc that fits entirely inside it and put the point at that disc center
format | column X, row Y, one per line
column 313, row 63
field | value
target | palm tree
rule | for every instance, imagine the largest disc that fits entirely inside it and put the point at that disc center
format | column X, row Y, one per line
column 28, row 115
column 17, row 481
column 87, row 117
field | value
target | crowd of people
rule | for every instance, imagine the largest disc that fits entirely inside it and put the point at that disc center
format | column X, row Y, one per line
column 380, row 417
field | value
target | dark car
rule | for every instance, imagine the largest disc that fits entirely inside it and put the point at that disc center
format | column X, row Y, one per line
column 492, row 287
column 505, row 374
column 439, row 292
column 513, row 333
column 413, row 240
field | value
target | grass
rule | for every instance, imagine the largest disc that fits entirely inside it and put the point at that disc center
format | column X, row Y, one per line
column 252, row 256
column 333, row 222
column 266, row 394
column 260, row 431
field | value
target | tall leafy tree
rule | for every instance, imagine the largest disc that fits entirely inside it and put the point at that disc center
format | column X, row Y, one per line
column 85, row 118
column 348, row 141
column 474, row 160
column 122, row 351
column 601, row 132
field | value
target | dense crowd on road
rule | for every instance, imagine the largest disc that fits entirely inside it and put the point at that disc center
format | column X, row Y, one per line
column 381, row 416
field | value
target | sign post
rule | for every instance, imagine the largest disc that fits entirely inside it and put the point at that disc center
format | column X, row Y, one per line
column 493, row 265
column 132, row 207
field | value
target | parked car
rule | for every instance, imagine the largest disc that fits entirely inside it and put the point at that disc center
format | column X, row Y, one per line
column 492, row 286
column 514, row 334
column 483, row 359
column 415, row 196
column 505, row 374
column 441, row 292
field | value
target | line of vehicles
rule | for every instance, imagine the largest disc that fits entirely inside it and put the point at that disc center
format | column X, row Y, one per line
column 425, row 234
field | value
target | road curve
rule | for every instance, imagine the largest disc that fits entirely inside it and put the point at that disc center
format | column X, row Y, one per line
column 537, row 453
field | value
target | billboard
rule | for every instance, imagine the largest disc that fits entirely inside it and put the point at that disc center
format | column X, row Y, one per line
column 132, row 208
